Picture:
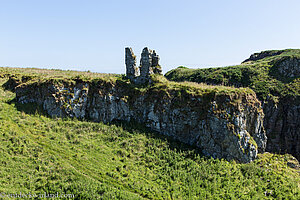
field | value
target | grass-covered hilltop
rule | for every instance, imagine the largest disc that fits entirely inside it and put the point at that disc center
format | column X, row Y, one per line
column 275, row 77
column 271, row 74
column 100, row 136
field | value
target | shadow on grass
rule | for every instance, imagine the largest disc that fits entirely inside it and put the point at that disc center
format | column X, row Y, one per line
column 28, row 108
column 174, row 144
column 132, row 126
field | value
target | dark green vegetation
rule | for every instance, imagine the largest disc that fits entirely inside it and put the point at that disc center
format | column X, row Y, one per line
column 97, row 161
column 261, row 75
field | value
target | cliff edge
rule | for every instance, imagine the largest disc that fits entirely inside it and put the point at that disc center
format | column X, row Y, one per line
column 275, row 77
column 223, row 122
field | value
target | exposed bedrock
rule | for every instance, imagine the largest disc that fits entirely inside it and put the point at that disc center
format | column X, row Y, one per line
column 262, row 55
column 222, row 126
column 282, row 124
column 288, row 67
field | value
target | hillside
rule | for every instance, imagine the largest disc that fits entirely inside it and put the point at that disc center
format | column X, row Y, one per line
column 208, row 117
column 275, row 78
column 265, row 76
column 92, row 160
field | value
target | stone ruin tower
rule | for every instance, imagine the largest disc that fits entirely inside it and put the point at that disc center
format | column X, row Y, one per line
column 130, row 60
column 149, row 64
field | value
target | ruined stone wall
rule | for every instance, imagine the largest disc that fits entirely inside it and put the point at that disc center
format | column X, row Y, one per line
column 130, row 60
column 149, row 64
column 146, row 63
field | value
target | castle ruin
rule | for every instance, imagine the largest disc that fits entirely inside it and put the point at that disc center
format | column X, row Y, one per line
column 149, row 64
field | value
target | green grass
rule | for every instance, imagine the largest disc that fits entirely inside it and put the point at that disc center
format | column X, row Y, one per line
column 96, row 161
column 282, row 53
column 261, row 76
column 38, row 76
column 52, row 73
column 197, row 88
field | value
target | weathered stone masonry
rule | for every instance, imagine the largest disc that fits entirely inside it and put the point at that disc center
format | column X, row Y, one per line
column 149, row 64
column 130, row 60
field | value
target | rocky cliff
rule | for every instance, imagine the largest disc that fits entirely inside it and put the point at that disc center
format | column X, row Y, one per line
column 223, row 122
column 275, row 77
column 282, row 124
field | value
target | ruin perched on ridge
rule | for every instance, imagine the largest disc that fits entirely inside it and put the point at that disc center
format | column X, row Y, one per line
column 149, row 64
column 130, row 60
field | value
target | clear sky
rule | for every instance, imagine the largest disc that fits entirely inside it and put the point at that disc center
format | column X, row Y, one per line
column 92, row 35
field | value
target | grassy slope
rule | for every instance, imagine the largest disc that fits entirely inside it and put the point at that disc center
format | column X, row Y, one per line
column 261, row 76
column 93, row 160
column 53, row 73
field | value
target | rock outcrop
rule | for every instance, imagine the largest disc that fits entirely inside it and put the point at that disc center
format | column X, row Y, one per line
column 262, row 55
column 282, row 116
column 226, row 126
column 222, row 122
column 282, row 125
column 275, row 77
column 288, row 66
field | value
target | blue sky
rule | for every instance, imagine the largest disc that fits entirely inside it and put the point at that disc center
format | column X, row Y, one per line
column 92, row 35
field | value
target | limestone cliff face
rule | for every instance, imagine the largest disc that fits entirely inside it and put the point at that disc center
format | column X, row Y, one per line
column 282, row 125
column 275, row 77
column 289, row 67
column 222, row 126
column 282, row 117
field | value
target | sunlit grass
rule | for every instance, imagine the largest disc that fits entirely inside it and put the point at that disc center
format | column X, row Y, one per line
column 54, row 73
column 96, row 161
column 261, row 76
